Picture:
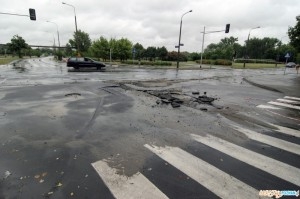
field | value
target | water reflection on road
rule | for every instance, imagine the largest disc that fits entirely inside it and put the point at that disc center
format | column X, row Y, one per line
column 47, row 71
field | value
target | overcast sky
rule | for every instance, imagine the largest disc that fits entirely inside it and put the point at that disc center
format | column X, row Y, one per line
column 149, row 22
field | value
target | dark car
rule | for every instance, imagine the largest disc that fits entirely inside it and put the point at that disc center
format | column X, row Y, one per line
column 290, row 65
column 83, row 62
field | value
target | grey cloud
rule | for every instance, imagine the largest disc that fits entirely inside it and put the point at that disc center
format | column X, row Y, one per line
column 151, row 23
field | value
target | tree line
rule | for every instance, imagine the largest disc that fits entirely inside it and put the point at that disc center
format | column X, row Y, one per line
column 256, row 48
column 123, row 49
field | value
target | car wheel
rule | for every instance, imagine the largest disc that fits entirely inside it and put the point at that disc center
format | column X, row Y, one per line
column 76, row 67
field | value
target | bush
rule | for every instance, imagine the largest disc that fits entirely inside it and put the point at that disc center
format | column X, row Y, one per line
column 258, row 61
column 151, row 63
column 223, row 62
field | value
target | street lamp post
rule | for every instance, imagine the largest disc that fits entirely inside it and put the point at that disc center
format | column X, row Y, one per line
column 75, row 23
column 179, row 44
column 202, row 47
column 57, row 32
column 247, row 44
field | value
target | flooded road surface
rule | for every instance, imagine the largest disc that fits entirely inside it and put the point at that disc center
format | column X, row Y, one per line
column 142, row 133
column 46, row 71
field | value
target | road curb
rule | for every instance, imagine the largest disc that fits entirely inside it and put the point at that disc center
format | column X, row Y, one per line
column 261, row 86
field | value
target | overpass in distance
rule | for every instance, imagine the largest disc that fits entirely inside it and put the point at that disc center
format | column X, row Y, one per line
column 41, row 46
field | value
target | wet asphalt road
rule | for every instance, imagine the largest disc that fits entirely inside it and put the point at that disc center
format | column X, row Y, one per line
column 67, row 134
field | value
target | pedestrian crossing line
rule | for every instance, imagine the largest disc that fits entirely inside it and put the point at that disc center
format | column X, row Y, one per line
column 268, row 107
column 285, row 105
column 212, row 178
column 123, row 187
column 278, row 143
column 290, row 118
column 293, row 98
column 285, row 130
column 269, row 165
column 288, row 101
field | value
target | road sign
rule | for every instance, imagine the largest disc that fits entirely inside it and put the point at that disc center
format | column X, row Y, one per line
column 287, row 55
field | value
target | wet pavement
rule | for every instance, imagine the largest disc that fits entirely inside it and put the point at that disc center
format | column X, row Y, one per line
column 115, row 133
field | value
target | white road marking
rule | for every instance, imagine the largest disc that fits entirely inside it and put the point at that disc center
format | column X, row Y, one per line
column 288, row 146
column 217, row 181
column 288, row 101
column 3, row 81
column 293, row 98
column 274, row 167
column 285, row 105
column 285, row 130
column 291, row 118
column 267, row 107
column 123, row 187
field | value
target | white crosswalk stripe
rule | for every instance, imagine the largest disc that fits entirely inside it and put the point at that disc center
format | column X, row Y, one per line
column 286, row 130
column 209, row 176
column 274, row 167
column 217, row 181
column 293, row 98
column 282, row 144
column 287, row 102
column 123, row 187
column 267, row 107
column 285, row 105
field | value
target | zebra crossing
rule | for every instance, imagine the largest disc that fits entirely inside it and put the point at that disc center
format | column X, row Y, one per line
column 287, row 102
column 206, row 174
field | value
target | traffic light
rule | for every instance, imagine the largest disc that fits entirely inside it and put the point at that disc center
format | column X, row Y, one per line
column 32, row 14
column 227, row 28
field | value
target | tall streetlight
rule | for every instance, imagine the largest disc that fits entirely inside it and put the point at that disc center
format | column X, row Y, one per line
column 247, row 44
column 57, row 32
column 75, row 23
column 179, row 44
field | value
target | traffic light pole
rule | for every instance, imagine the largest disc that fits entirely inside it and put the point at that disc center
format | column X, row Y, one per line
column 203, row 41
column 4, row 13
column 31, row 15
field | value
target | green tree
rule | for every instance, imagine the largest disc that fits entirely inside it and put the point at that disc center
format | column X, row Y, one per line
column 294, row 34
column 162, row 53
column 123, row 49
column 17, row 44
column 139, row 49
column 112, row 47
column 100, row 48
column 81, row 41
column 282, row 50
column 68, row 50
column 150, row 53
column 194, row 56
column 172, row 56
column 262, row 48
column 36, row 52
column 46, row 51
column 225, row 49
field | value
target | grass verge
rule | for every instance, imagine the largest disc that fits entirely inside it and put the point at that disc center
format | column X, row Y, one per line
column 255, row 65
column 7, row 60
